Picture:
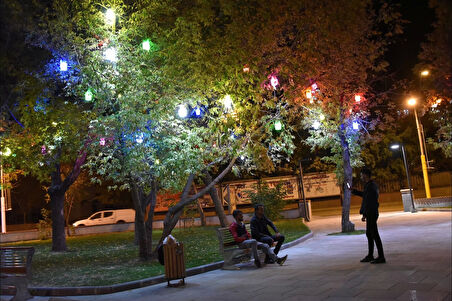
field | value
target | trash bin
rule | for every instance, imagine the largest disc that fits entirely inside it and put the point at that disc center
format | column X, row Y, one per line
column 173, row 253
column 406, row 199
column 308, row 210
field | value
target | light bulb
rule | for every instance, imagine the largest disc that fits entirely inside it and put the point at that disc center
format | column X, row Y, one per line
column 63, row 65
column 110, row 54
column 182, row 111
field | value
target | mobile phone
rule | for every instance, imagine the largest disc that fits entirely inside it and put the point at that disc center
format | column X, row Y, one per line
column 348, row 185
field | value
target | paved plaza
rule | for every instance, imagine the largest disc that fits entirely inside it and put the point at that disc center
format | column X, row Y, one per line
column 418, row 253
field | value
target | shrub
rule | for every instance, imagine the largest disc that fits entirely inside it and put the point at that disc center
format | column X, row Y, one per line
column 272, row 199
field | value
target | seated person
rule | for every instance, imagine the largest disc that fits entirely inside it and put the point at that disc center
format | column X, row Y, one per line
column 260, row 232
column 243, row 238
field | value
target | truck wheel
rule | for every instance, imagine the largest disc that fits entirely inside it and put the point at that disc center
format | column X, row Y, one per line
column 120, row 222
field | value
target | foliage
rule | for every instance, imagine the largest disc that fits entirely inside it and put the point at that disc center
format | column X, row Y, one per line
column 45, row 225
column 90, row 260
column 436, row 56
column 272, row 198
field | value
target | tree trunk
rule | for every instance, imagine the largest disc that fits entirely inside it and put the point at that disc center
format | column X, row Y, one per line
column 347, row 225
column 144, row 206
column 149, row 218
column 202, row 216
column 207, row 178
column 57, row 207
column 174, row 213
column 57, row 191
column 140, row 229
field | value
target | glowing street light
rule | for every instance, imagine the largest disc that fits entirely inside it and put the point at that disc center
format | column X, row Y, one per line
column 425, row 73
column 6, row 153
column 412, row 102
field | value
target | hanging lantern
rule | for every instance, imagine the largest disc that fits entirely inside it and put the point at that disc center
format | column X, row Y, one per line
column 278, row 125
column 110, row 54
column 63, row 65
column 316, row 124
column 182, row 111
column 227, row 102
column 88, row 95
column 110, row 17
column 309, row 94
column 274, row 81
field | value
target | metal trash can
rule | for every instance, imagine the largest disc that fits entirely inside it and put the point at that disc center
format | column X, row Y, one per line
column 173, row 253
column 406, row 199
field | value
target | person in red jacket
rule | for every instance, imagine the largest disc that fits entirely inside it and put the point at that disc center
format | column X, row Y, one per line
column 244, row 240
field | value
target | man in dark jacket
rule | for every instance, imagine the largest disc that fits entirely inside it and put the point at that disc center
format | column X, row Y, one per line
column 369, row 210
column 243, row 239
column 259, row 231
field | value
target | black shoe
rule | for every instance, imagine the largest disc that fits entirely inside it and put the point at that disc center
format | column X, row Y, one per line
column 367, row 259
column 378, row 260
column 281, row 260
column 269, row 261
column 257, row 262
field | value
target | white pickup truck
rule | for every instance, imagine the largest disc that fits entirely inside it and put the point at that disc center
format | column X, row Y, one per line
column 104, row 217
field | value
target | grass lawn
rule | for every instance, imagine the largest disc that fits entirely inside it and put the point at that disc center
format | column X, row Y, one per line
column 105, row 259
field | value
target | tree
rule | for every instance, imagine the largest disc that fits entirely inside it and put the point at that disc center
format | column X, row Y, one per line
column 435, row 57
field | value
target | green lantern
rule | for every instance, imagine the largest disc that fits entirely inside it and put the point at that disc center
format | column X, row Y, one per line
column 88, row 95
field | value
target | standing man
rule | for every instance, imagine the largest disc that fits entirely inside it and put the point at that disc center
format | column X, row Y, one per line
column 259, row 231
column 243, row 238
column 369, row 210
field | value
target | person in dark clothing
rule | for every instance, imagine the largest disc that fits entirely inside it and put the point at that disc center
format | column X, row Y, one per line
column 369, row 211
column 260, row 232
column 244, row 240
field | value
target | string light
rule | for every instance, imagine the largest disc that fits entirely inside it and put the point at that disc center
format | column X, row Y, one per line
column 102, row 141
column 357, row 98
column 146, row 45
column 355, row 125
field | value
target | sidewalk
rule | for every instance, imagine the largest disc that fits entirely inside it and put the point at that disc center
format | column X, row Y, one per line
column 418, row 252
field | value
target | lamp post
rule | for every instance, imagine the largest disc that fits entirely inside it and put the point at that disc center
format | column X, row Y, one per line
column 397, row 146
column 5, row 153
column 412, row 102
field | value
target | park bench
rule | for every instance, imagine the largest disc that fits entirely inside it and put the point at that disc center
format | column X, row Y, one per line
column 230, row 250
column 15, row 269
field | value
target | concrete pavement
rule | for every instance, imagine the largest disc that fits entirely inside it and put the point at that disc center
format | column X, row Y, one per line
column 418, row 253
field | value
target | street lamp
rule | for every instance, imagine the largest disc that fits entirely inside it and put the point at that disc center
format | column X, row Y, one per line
column 397, row 146
column 6, row 153
column 412, row 102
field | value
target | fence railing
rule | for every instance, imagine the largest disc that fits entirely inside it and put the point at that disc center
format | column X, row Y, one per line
column 439, row 179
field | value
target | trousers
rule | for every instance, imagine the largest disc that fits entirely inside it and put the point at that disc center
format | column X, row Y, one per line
column 373, row 236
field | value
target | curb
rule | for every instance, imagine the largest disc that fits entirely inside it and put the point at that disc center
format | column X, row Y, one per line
column 115, row 288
